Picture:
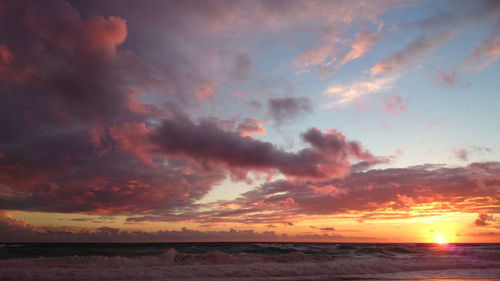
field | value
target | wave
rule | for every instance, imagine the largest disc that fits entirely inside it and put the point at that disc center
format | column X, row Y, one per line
column 297, row 265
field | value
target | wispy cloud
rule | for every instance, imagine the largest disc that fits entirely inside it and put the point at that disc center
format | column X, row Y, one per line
column 361, row 45
column 343, row 94
column 487, row 53
column 416, row 50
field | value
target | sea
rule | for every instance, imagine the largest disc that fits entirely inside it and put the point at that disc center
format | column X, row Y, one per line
column 248, row 261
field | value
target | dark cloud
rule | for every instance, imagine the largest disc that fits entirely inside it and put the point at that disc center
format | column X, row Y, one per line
column 465, row 189
column 483, row 219
column 71, row 67
column 65, row 172
column 288, row 108
column 243, row 68
column 73, row 129
column 328, row 156
column 327, row 229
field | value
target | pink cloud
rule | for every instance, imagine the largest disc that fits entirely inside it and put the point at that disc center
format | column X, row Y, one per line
column 462, row 154
column 485, row 54
column 205, row 93
column 133, row 138
column 386, row 126
column 324, row 57
column 94, row 35
column 106, row 33
column 405, row 200
column 321, row 57
column 326, row 189
column 361, row 45
column 446, row 79
column 136, row 106
column 251, row 127
column 239, row 95
column 288, row 203
column 451, row 79
column 395, row 105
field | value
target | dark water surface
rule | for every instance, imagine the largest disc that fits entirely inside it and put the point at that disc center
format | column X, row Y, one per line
column 247, row 261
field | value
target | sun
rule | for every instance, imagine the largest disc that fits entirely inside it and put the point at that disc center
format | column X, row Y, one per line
column 440, row 240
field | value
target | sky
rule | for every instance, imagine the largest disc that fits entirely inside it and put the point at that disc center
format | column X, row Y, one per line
column 323, row 121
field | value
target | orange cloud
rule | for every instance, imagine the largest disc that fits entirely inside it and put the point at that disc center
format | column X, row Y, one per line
column 251, row 127
column 132, row 138
column 107, row 33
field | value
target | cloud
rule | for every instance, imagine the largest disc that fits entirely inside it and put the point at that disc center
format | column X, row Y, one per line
column 132, row 138
column 21, row 231
column 346, row 93
column 77, row 176
column 251, row 126
column 361, row 45
column 482, row 220
column 485, row 54
column 73, row 71
column 416, row 50
column 373, row 194
column 243, row 68
column 283, row 110
column 446, row 79
column 465, row 153
column 386, row 126
column 329, row 153
column 326, row 57
column 205, row 93
column 395, row 105
column 462, row 154
column 327, row 229
column 320, row 57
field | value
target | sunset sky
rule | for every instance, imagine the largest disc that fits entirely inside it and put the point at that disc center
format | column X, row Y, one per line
column 340, row 121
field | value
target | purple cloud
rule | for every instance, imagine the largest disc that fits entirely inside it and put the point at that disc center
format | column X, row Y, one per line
column 283, row 110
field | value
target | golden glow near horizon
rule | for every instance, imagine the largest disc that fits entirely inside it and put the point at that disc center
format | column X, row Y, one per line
column 440, row 229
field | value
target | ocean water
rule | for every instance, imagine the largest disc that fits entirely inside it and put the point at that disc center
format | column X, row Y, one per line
column 248, row 261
